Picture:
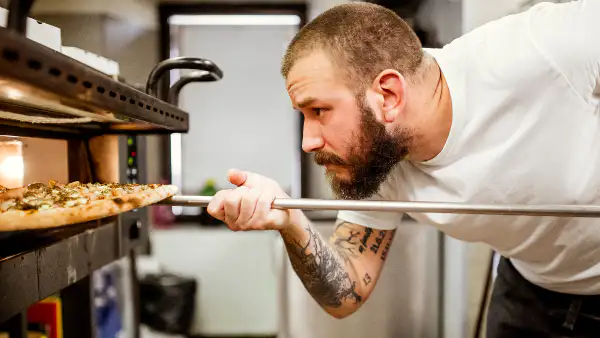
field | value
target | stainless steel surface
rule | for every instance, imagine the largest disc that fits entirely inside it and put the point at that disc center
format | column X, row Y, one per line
column 38, row 82
column 426, row 207
column 47, row 108
column 181, row 62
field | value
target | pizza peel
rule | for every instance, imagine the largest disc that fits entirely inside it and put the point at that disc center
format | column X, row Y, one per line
column 408, row 207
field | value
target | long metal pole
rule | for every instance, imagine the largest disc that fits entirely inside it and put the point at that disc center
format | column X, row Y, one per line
column 405, row 207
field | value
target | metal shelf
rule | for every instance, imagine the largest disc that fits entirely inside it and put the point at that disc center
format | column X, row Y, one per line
column 46, row 91
column 35, row 265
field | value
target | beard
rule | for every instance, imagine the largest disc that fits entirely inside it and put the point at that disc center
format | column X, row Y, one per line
column 371, row 157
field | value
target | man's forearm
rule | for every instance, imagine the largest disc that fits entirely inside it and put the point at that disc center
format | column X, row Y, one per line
column 325, row 273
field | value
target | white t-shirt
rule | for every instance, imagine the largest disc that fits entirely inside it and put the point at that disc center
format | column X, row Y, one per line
column 525, row 130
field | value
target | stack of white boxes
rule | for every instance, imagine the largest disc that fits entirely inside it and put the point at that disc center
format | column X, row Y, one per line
column 37, row 31
column 102, row 64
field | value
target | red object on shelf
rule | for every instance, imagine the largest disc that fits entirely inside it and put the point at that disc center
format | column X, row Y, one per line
column 48, row 312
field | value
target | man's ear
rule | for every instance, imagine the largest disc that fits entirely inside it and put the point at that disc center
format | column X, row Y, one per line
column 391, row 86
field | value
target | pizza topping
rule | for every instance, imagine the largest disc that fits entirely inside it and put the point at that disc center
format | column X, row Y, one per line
column 39, row 196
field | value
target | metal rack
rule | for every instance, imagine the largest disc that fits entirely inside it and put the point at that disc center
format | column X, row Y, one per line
column 46, row 94
column 65, row 98
column 39, row 265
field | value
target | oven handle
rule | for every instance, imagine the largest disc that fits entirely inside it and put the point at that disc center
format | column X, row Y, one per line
column 197, row 76
column 181, row 62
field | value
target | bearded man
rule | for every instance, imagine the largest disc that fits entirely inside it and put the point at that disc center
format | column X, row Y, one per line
column 508, row 113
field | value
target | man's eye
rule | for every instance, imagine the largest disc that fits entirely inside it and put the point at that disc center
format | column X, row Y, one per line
column 318, row 111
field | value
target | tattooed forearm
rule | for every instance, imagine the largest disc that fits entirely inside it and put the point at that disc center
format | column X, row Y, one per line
column 339, row 273
column 386, row 249
column 349, row 240
column 322, row 272
column 348, row 246
column 378, row 240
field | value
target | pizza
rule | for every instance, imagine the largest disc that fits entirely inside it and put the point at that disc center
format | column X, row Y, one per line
column 39, row 205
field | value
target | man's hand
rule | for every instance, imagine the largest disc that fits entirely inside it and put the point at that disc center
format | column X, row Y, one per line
column 339, row 274
column 248, row 207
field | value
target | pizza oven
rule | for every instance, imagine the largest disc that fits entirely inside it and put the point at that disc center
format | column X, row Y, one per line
column 62, row 119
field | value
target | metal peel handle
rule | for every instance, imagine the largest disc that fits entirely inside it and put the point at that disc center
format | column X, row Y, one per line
column 405, row 207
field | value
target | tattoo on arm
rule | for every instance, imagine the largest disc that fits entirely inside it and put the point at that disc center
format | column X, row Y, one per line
column 378, row 240
column 325, row 270
column 367, row 279
column 353, row 244
column 347, row 246
column 386, row 249
column 322, row 271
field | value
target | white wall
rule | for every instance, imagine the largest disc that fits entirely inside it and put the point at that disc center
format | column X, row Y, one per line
column 237, row 275
column 136, row 12
column 245, row 121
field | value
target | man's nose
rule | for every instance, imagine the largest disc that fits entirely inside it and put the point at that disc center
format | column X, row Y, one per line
column 311, row 138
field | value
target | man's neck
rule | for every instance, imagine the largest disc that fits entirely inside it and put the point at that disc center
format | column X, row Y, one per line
column 432, row 111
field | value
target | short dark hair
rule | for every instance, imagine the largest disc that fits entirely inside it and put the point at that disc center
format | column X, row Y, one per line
column 362, row 39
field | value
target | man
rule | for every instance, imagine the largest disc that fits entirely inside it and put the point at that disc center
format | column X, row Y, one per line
column 509, row 114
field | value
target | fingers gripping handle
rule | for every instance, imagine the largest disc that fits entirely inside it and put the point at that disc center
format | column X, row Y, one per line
column 405, row 207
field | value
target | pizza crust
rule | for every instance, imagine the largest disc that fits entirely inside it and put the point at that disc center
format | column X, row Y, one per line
column 15, row 220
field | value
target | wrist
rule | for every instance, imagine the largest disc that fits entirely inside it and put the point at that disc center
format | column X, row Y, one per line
column 297, row 221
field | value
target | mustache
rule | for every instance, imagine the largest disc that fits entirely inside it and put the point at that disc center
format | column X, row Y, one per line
column 323, row 158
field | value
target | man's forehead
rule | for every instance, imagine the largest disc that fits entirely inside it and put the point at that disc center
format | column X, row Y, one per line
column 307, row 78
column 315, row 66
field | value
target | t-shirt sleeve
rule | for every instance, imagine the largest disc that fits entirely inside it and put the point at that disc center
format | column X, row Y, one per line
column 568, row 35
column 376, row 219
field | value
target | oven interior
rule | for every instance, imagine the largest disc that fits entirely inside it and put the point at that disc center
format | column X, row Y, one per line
column 64, row 120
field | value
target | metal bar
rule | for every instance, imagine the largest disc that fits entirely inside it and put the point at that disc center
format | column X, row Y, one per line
column 182, row 62
column 197, row 76
column 402, row 207
column 135, row 294
column 17, row 15
column 29, row 69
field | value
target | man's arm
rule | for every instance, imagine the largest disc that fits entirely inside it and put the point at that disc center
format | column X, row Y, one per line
column 341, row 273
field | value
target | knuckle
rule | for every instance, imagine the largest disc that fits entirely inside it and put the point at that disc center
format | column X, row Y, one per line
column 266, row 199
column 242, row 189
column 231, row 199
column 239, row 226
column 235, row 226
column 254, row 192
column 248, row 198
